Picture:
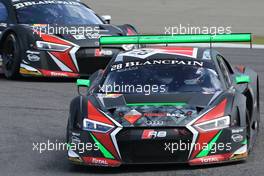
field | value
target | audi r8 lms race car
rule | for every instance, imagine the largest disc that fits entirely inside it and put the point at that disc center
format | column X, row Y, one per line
column 165, row 105
column 57, row 38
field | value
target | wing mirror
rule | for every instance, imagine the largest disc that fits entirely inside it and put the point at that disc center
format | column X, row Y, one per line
column 242, row 79
column 82, row 83
column 106, row 18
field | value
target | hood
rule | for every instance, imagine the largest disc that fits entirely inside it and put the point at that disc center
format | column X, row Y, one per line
column 155, row 110
column 81, row 35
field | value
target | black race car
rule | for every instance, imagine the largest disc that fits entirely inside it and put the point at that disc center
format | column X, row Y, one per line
column 165, row 105
column 57, row 38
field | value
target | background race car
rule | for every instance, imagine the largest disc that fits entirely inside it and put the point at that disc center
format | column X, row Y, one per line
column 54, row 38
column 166, row 105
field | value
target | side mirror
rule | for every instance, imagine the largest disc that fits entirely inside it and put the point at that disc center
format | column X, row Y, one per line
column 242, row 79
column 82, row 83
column 106, row 18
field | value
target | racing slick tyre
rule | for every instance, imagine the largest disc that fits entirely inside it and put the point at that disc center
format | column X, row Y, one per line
column 11, row 56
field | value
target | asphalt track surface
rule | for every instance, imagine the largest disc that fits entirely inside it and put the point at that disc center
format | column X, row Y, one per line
column 36, row 110
column 152, row 16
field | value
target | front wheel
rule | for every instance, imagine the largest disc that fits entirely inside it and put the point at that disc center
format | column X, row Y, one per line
column 11, row 57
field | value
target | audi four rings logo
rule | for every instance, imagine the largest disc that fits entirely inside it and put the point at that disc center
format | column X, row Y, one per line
column 154, row 123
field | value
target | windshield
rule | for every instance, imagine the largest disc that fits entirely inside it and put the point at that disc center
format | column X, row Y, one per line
column 56, row 13
column 167, row 78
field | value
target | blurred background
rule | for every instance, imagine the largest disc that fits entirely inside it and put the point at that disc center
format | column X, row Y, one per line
column 151, row 16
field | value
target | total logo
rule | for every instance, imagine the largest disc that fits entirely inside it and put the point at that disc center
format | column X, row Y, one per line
column 209, row 160
column 58, row 74
column 99, row 161
column 152, row 134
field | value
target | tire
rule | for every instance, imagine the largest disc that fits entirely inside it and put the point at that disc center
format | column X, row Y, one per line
column 11, row 57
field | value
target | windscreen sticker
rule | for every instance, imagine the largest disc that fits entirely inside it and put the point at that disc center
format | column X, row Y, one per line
column 132, row 64
column 146, row 53
column 32, row 3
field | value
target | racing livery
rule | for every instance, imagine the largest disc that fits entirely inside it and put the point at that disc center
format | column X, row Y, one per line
column 57, row 38
column 170, row 105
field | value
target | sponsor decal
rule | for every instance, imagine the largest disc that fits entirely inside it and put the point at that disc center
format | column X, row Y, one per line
column 59, row 74
column 33, row 56
column 240, row 130
column 154, row 123
column 103, row 52
column 101, row 161
column 237, row 137
column 151, row 114
column 38, row 2
column 127, row 65
column 75, row 139
column 152, row 134
column 210, row 159
column 163, row 114
column 79, row 37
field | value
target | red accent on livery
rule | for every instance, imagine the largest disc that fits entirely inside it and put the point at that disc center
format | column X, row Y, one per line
column 215, row 113
column 241, row 68
column 187, row 51
column 101, row 162
column 210, row 159
column 106, row 140
column 97, row 53
column 95, row 115
column 53, row 39
column 50, row 73
column 65, row 56
column 147, row 134
column 132, row 118
column 130, row 32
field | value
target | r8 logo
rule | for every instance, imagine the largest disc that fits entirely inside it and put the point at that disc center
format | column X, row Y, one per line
column 152, row 134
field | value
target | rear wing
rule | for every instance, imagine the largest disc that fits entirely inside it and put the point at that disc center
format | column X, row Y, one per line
column 175, row 39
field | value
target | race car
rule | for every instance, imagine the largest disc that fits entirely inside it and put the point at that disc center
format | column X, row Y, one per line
column 57, row 38
column 161, row 105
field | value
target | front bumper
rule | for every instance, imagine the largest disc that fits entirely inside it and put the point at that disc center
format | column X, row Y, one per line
column 72, row 63
column 179, row 145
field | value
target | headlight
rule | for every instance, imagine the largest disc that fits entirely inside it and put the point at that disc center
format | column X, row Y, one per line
column 51, row 46
column 91, row 125
column 215, row 124
column 128, row 47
